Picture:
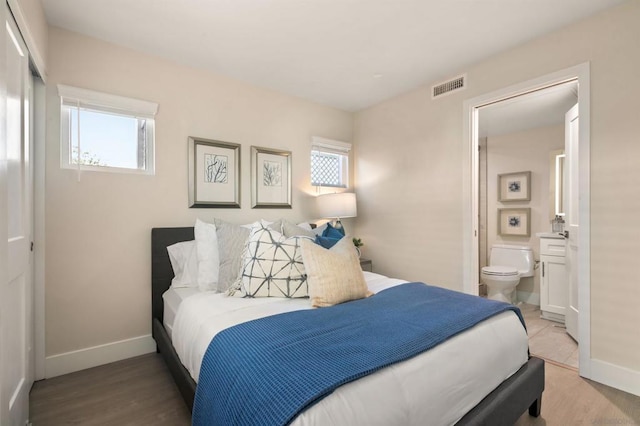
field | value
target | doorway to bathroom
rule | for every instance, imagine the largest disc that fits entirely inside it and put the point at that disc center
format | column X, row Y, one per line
column 521, row 170
column 518, row 134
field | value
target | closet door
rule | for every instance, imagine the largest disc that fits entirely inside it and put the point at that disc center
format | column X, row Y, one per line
column 16, row 287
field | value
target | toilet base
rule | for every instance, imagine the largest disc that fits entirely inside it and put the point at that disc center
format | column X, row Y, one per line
column 503, row 296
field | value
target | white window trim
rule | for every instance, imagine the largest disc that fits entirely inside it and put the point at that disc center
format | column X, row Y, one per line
column 330, row 145
column 134, row 108
column 107, row 101
column 334, row 147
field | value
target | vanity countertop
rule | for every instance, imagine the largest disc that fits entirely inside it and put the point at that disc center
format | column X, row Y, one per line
column 550, row 235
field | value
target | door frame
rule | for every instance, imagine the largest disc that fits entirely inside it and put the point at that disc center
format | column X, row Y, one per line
column 470, row 186
column 38, row 133
column 4, row 253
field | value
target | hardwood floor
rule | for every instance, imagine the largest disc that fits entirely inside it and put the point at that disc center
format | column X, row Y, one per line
column 136, row 391
column 569, row 399
column 140, row 391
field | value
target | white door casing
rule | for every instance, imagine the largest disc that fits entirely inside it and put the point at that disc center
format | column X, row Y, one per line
column 16, row 288
column 581, row 74
column 4, row 398
column 572, row 218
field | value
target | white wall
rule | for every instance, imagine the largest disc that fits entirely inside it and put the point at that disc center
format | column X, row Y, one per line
column 409, row 172
column 98, row 285
column 528, row 150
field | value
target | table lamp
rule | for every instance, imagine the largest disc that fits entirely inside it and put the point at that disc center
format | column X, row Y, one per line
column 337, row 206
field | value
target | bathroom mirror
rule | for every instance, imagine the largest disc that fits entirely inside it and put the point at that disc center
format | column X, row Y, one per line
column 556, row 183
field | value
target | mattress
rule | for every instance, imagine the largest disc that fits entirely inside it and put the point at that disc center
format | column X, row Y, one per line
column 440, row 385
column 172, row 299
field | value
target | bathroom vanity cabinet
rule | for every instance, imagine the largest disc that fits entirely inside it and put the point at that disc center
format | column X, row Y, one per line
column 554, row 282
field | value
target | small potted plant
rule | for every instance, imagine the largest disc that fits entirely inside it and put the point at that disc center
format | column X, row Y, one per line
column 358, row 243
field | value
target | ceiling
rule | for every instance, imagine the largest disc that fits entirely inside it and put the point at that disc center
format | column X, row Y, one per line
column 348, row 54
column 542, row 108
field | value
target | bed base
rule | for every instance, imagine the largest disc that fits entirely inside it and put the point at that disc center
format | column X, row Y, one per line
column 186, row 385
column 503, row 406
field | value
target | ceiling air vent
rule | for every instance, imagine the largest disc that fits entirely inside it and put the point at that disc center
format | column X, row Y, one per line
column 453, row 85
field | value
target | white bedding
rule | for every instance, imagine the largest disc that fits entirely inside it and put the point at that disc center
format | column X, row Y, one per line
column 437, row 387
column 172, row 299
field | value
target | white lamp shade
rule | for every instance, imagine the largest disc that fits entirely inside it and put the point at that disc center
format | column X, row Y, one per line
column 337, row 205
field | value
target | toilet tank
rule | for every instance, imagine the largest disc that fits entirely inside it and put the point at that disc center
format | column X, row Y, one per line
column 519, row 257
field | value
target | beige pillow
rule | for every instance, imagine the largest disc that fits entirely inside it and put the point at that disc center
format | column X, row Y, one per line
column 334, row 276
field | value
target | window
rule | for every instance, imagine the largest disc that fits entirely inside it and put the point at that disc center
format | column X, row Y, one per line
column 106, row 132
column 329, row 163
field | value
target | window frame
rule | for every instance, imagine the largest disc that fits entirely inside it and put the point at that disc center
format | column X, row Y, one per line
column 89, row 100
column 332, row 147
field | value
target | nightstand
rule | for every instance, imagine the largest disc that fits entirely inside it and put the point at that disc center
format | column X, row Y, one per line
column 366, row 265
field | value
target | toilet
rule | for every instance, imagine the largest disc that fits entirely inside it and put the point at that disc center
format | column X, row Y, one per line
column 507, row 264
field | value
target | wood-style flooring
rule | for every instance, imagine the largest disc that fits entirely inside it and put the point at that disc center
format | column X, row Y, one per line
column 549, row 339
column 140, row 391
column 136, row 391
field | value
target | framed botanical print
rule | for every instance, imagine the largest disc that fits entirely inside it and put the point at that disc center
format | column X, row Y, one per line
column 270, row 178
column 214, row 173
column 514, row 186
column 514, row 222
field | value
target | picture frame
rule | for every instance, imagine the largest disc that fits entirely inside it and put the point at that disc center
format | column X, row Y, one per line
column 514, row 186
column 514, row 222
column 214, row 173
column 270, row 178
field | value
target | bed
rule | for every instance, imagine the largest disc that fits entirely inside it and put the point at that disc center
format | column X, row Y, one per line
column 502, row 405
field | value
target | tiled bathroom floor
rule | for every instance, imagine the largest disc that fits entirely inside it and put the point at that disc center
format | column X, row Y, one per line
column 549, row 339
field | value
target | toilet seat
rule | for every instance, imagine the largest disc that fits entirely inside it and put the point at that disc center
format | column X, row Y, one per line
column 500, row 271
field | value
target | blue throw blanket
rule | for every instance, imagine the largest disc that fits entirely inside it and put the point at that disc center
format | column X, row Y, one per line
column 266, row 371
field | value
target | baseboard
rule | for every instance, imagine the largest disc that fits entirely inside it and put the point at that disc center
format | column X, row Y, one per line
column 69, row 362
column 530, row 298
column 621, row 378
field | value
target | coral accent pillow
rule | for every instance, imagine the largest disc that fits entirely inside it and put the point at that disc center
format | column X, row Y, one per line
column 334, row 276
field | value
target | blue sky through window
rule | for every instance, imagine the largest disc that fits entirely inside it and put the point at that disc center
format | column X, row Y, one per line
column 108, row 138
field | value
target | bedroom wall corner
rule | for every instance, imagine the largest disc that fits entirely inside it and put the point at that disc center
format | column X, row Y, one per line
column 98, row 229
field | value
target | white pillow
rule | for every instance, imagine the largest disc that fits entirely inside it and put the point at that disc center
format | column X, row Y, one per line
column 291, row 230
column 305, row 226
column 208, row 255
column 320, row 229
column 271, row 266
column 184, row 261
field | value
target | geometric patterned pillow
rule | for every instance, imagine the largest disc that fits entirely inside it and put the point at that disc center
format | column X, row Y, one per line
column 271, row 266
